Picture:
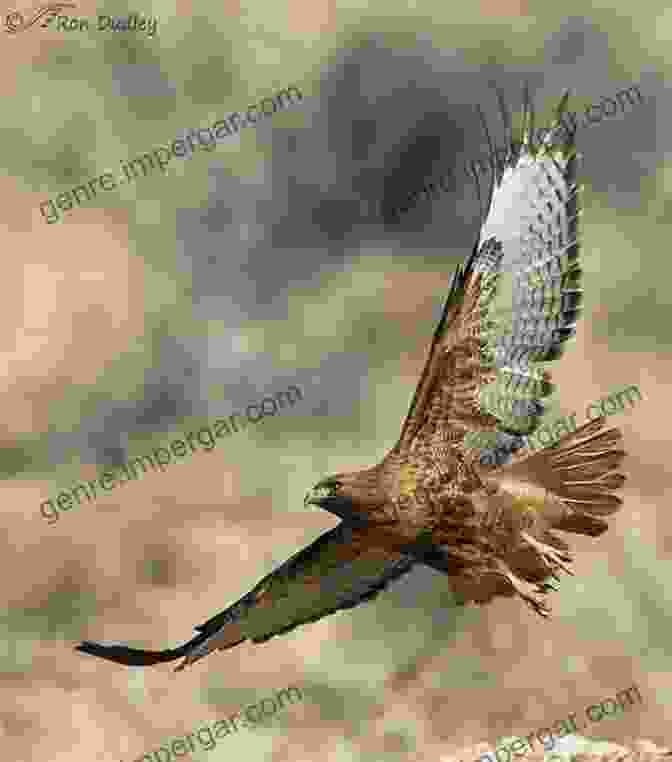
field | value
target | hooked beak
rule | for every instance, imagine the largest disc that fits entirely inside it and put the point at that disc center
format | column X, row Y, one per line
column 339, row 506
column 314, row 497
column 318, row 494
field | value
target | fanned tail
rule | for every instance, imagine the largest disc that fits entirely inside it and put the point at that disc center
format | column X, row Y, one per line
column 580, row 473
column 584, row 468
column 578, row 476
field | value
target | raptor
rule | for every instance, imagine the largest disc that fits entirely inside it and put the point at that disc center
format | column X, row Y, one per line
column 488, row 517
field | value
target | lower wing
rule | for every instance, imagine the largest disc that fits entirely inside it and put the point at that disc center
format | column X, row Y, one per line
column 339, row 570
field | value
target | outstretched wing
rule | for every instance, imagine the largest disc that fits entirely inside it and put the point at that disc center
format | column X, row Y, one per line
column 338, row 571
column 482, row 374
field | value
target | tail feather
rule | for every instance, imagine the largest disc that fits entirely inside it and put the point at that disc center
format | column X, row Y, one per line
column 586, row 474
column 582, row 523
column 592, row 468
column 579, row 473
column 609, row 482
column 595, row 444
column 595, row 503
column 585, row 470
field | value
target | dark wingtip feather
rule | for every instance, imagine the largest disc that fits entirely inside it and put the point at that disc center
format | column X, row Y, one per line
column 528, row 119
column 478, row 189
column 492, row 160
column 131, row 657
column 503, row 110
column 562, row 105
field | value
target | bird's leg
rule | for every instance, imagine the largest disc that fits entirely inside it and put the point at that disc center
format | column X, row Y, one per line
column 531, row 594
column 553, row 558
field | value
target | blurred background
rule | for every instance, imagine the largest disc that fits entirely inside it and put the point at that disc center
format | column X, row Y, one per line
column 272, row 261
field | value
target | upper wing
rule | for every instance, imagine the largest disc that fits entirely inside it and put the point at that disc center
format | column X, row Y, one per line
column 338, row 571
column 480, row 374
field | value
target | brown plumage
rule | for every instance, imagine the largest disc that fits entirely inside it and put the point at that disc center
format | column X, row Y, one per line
column 486, row 518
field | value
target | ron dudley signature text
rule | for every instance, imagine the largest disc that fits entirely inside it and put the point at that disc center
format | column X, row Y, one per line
column 51, row 18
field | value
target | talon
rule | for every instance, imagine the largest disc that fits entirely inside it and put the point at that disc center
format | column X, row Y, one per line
column 554, row 558
column 527, row 591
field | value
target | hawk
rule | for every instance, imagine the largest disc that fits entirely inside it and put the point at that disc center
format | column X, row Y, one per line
column 485, row 517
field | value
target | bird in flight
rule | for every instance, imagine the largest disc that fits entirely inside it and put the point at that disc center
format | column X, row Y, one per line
column 487, row 516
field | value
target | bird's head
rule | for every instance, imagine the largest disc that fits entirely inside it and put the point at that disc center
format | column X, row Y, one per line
column 355, row 498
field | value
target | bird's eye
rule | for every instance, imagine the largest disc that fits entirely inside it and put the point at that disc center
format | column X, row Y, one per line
column 328, row 489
